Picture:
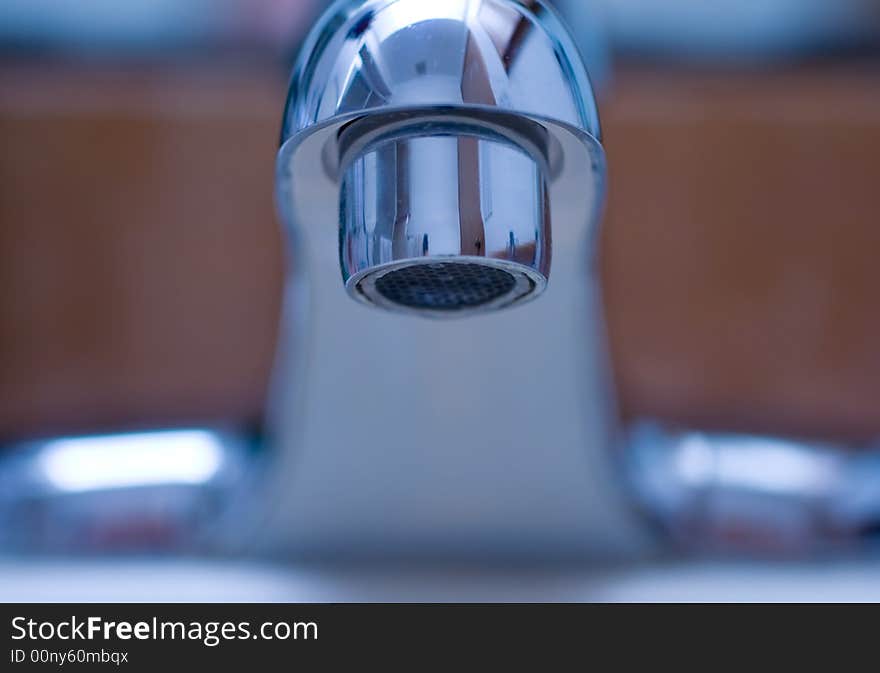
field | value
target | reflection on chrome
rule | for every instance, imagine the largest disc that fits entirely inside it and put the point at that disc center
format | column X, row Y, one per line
column 752, row 492
column 439, row 127
column 141, row 491
column 129, row 461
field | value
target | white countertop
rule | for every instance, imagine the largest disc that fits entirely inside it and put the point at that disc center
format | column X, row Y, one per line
column 200, row 581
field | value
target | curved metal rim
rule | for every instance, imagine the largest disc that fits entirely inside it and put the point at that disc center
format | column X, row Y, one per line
column 343, row 10
column 537, row 282
column 289, row 148
column 363, row 134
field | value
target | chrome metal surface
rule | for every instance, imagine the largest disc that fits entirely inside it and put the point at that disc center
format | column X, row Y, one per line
column 427, row 194
column 755, row 493
column 129, row 492
column 375, row 55
column 443, row 133
column 438, row 145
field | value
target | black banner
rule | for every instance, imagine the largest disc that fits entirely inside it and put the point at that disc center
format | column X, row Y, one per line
column 326, row 637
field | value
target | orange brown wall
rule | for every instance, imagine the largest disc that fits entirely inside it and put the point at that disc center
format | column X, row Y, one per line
column 141, row 265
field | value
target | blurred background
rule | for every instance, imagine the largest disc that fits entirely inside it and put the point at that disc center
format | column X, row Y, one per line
column 141, row 261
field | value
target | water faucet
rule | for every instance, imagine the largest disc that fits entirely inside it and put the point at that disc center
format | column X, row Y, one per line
column 442, row 385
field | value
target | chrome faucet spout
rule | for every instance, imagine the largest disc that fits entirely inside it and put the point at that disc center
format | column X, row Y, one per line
column 442, row 160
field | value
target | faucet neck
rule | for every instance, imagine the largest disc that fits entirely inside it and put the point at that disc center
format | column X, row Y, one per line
column 492, row 437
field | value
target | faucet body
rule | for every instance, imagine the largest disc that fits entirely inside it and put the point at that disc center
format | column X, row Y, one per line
column 442, row 385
